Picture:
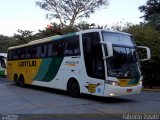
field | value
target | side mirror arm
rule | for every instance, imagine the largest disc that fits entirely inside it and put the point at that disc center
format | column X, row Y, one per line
column 109, row 49
column 148, row 52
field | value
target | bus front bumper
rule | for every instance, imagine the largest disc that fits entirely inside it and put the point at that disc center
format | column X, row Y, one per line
column 111, row 90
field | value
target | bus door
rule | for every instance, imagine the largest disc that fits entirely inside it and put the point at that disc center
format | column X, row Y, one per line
column 94, row 63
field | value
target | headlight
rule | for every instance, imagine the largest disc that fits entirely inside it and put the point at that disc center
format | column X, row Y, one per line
column 114, row 83
column 140, row 82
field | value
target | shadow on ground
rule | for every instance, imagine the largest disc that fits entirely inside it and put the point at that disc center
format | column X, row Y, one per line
column 113, row 100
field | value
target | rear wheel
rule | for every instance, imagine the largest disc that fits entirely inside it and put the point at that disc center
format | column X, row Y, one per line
column 16, row 80
column 21, row 81
column 73, row 88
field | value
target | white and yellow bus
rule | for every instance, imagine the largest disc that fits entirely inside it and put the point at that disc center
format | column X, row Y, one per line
column 96, row 62
column 3, row 69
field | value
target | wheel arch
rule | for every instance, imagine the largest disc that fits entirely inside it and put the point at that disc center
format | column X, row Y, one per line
column 73, row 79
column 15, row 75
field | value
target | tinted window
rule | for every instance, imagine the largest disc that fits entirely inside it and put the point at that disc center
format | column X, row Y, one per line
column 9, row 55
column 72, row 47
column 93, row 55
column 64, row 47
column 31, row 52
column 15, row 54
column 22, row 53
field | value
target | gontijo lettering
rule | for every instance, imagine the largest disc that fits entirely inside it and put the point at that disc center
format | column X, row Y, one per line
column 27, row 63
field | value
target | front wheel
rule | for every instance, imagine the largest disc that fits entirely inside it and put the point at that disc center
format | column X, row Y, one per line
column 74, row 89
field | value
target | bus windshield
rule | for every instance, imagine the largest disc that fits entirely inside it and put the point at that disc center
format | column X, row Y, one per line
column 124, row 63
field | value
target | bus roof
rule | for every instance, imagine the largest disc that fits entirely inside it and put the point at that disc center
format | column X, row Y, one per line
column 3, row 55
column 99, row 30
column 58, row 37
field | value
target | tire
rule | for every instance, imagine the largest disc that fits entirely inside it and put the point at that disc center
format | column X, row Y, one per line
column 16, row 80
column 21, row 81
column 73, row 88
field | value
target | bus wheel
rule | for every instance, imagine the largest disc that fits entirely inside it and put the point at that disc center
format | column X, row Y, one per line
column 73, row 88
column 21, row 81
column 16, row 80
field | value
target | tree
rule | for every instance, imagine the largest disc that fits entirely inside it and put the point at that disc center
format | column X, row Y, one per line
column 68, row 11
column 4, row 43
column 152, row 13
column 147, row 36
column 53, row 29
column 23, row 36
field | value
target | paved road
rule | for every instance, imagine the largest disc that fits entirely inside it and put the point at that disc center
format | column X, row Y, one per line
column 37, row 100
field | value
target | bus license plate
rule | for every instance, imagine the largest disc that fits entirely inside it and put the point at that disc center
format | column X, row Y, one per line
column 129, row 90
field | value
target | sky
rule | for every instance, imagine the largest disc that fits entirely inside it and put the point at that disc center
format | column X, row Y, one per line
column 25, row 15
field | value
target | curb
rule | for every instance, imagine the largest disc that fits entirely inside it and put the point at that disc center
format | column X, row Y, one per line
column 153, row 90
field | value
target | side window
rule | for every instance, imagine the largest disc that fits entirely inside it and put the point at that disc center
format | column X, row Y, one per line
column 61, row 47
column 41, row 51
column 9, row 55
column 38, row 53
column 28, row 53
column 31, row 52
column 72, row 47
column 18, row 53
column 93, row 56
column 23, row 53
column 56, row 48
column 64, row 47
column 50, row 50
column 15, row 54
column 44, row 51
column 56, row 51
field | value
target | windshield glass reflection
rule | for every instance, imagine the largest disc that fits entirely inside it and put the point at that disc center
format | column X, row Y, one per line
column 124, row 63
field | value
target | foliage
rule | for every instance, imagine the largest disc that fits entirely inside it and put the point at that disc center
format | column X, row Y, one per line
column 23, row 36
column 70, row 10
column 152, row 13
column 147, row 36
column 4, row 43
column 53, row 29
column 151, row 7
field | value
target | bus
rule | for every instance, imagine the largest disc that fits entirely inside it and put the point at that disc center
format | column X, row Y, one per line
column 96, row 62
column 3, row 70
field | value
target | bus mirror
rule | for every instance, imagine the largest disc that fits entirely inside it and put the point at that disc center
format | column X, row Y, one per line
column 109, row 49
column 148, row 54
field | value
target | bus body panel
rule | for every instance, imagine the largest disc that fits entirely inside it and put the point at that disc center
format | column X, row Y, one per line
column 91, row 85
column 3, row 70
column 69, row 68
column 28, row 68
column 119, row 91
